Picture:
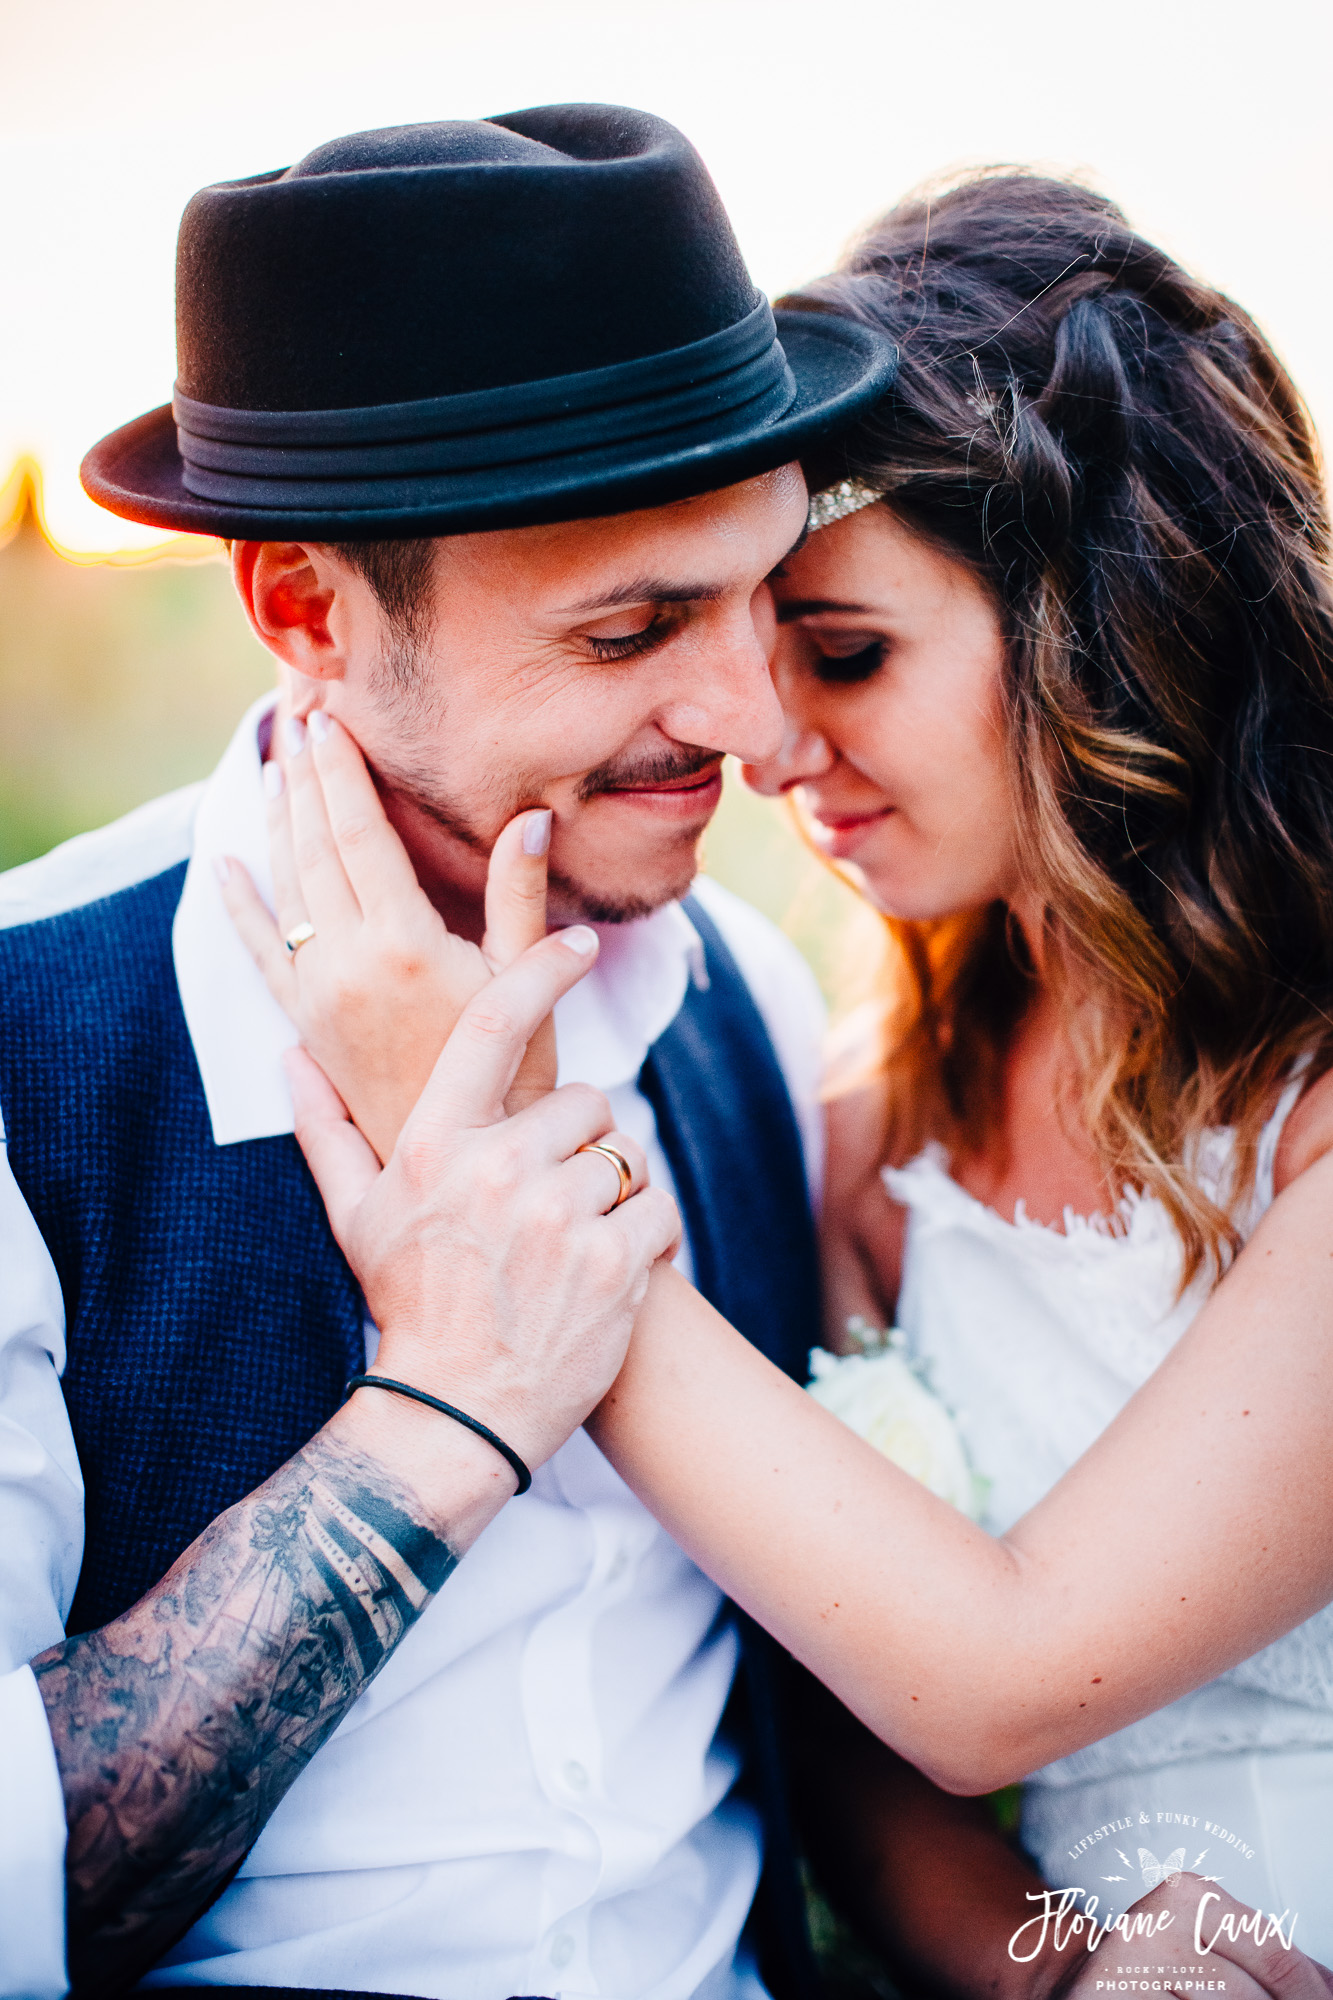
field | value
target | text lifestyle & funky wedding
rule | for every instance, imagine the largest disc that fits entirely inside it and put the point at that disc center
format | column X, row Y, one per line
column 1132, row 1825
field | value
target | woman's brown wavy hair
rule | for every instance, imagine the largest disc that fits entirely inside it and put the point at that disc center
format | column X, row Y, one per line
column 1117, row 450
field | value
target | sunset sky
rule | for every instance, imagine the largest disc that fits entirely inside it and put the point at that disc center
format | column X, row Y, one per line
column 1209, row 123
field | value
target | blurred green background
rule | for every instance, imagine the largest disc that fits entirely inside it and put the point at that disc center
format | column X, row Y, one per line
column 118, row 683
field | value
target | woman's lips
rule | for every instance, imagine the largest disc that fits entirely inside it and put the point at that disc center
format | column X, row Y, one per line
column 840, row 834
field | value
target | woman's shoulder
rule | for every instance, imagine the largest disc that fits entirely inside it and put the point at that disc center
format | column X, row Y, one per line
column 1307, row 1133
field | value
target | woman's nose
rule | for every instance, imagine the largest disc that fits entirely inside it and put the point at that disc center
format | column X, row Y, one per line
column 805, row 754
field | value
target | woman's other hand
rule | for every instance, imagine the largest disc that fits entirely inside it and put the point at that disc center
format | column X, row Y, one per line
column 376, row 991
column 1191, row 1912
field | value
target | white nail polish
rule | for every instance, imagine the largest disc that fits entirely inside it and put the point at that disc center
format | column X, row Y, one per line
column 221, row 868
column 580, row 938
column 537, row 833
column 294, row 735
column 318, row 725
column 273, row 780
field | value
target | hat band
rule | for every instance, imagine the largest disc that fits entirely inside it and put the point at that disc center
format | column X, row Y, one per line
column 485, row 409
column 285, row 458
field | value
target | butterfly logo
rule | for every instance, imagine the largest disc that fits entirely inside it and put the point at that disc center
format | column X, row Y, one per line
column 1155, row 1871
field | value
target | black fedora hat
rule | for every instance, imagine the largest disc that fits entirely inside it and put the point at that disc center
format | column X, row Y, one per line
column 435, row 328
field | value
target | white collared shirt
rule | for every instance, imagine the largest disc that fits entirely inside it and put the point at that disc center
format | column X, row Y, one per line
column 530, row 1797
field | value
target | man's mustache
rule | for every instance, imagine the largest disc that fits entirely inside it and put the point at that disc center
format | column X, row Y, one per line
column 661, row 767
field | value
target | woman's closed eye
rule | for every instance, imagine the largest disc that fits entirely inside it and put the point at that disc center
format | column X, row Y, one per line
column 847, row 657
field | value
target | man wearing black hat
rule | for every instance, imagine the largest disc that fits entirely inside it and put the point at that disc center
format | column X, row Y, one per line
column 504, row 440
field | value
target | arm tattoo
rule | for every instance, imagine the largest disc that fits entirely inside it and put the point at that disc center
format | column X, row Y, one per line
column 180, row 1726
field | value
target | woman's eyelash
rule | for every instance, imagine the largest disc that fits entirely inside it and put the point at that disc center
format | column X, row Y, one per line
column 631, row 645
column 852, row 666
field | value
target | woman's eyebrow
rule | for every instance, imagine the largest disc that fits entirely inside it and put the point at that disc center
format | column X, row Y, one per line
column 806, row 607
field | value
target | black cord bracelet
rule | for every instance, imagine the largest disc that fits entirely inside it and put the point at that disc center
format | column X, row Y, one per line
column 445, row 1410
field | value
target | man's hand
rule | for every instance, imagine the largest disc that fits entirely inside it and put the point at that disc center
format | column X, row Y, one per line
column 495, row 1277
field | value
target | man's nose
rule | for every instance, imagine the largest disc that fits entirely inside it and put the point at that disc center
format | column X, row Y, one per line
column 803, row 754
column 729, row 702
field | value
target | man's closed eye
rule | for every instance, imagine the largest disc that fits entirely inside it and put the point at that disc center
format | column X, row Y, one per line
column 630, row 645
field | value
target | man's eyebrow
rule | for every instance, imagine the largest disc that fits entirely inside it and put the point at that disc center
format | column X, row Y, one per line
column 808, row 607
column 646, row 590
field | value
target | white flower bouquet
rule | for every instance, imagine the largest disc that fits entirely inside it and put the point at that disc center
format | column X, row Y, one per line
column 880, row 1395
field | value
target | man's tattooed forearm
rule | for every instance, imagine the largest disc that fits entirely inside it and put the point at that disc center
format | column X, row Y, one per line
column 179, row 1727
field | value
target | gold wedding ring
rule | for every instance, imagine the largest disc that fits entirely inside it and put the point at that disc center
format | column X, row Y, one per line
column 621, row 1165
column 295, row 939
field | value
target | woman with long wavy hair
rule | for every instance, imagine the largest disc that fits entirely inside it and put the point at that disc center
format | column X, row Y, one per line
column 1057, row 663
column 1062, row 698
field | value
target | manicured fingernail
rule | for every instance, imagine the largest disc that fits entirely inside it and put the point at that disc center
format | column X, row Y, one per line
column 273, row 780
column 294, row 735
column 222, row 868
column 581, row 939
column 537, row 833
column 319, row 724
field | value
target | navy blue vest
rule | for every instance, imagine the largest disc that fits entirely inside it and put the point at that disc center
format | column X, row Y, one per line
column 211, row 1318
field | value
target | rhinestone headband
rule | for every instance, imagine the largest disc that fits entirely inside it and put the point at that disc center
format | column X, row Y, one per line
column 835, row 503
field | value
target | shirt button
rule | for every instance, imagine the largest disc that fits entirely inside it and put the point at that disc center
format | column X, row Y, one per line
column 562, row 1951
column 577, row 1780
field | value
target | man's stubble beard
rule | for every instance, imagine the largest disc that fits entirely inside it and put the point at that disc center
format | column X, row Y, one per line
column 403, row 699
column 569, row 900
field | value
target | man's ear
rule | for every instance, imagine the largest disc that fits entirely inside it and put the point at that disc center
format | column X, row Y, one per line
column 302, row 605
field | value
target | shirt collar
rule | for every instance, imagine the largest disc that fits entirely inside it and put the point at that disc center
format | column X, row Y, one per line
column 604, row 1027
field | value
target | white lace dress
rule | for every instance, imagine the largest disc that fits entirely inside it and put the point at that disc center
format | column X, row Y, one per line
column 1035, row 1337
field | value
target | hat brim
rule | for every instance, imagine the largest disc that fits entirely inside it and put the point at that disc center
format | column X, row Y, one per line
column 839, row 366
